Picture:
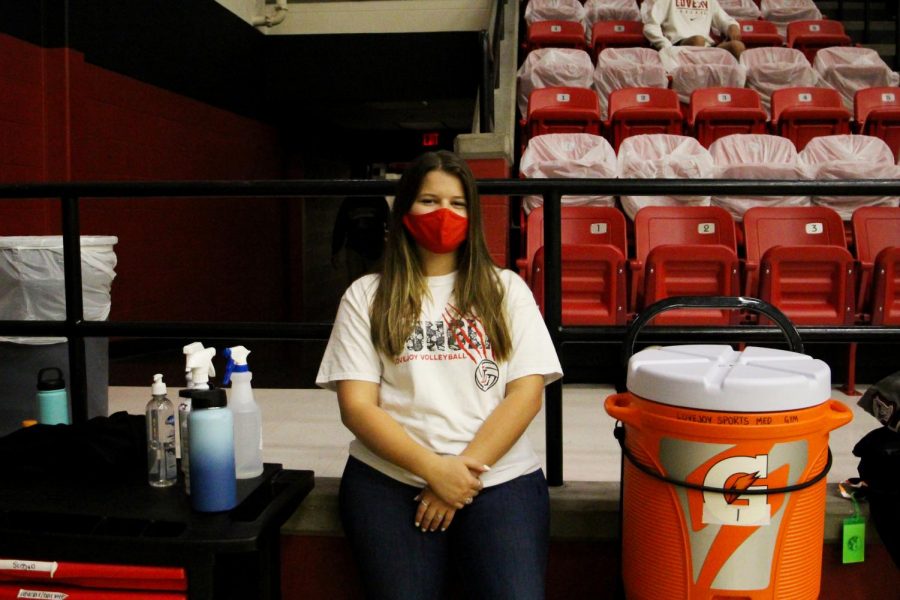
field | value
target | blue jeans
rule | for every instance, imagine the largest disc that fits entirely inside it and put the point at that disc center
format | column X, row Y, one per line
column 497, row 546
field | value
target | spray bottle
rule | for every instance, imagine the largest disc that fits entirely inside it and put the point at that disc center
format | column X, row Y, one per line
column 198, row 367
column 248, row 460
column 160, row 413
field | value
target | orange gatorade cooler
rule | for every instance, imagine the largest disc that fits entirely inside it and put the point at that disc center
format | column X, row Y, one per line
column 726, row 454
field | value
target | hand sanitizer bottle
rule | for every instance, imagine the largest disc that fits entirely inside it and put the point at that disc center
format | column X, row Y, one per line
column 161, row 468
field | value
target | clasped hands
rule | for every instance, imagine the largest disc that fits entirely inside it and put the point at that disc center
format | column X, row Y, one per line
column 453, row 483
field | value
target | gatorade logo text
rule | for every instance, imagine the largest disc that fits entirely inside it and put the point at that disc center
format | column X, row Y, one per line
column 737, row 474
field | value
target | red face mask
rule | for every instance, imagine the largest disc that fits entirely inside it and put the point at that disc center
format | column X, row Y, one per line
column 439, row 231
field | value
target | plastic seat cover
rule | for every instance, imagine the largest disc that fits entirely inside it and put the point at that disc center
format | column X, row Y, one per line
column 782, row 12
column 741, row 9
column 663, row 156
column 850, row 69
column 770, row 69
column 837, row 157
column 620, row 68
column 694, row 68
column 552, row 67
column 756, row 156
column 554, row 10
column 569, row 155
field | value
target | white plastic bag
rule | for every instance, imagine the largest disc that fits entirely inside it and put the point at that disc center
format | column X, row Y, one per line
column 550, row 67
column 695, row 67
column 770, row 69
column 663, row 156
column 619, row 68
column 849, row 69
column 850, row 157
column 32, row 276
column 744, row 10
column 569, row 155
column 554, row 10
column 756, row 156
column 782, row 12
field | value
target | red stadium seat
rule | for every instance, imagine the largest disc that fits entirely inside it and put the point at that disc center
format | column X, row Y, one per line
column 810, row 36
column 590, row 225
column 593, row 284
column 633, row 111
column 562, row 110
column 717, row 112
column 555, row 34
column 685, row 251
column 757, row 34
column 803, row 113
column 593, row 271
column 876, row 229
column 812, row 277
column 617, row 34
column 877, row 113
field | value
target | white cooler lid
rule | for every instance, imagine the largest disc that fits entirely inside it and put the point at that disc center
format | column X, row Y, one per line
column 719, row 378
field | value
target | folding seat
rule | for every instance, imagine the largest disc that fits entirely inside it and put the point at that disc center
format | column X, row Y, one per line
column 569, row 155
column 841, row 157
column 802, row 113
column 633, row 111
column 617, row 34
column 797, row 260
column 811, row 36
column 561, row 110
column 756, row 156
column 717, row 112
column 877, row 112
column 760, row 34
column 552, row 67
column 770, row 69
column 593, row 264
column 685, row 251
column 554, row 10
column 850, row 69
column 596, row 11
column 876, row 231
column 741, row 9
column 620, row 68
column 782, row 12
column 555, row 34
column 694, row 67
column 663, row 156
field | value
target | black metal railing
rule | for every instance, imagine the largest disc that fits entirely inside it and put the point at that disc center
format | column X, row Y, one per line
column 75, row 328
column 490, row 68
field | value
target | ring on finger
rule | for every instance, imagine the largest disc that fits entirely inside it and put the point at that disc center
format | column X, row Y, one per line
column 468, row 501
column 424, row 503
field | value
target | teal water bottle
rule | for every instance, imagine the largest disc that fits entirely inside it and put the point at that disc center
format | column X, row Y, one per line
column 52, row 398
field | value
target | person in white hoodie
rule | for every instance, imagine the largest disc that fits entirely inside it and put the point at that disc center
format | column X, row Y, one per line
column 687, row 23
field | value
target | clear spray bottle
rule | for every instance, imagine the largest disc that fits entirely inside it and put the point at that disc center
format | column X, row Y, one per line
column 161, row 468
column 198, row 369
column 248, row 459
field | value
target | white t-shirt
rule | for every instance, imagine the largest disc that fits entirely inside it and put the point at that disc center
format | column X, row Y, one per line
column 670, row 21
column 443, row 386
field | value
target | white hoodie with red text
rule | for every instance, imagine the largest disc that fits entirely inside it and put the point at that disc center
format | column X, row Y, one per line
column 670, row 21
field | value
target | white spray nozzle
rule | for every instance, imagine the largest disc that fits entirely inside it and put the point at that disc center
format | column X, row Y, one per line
column 158, row 388
column 200, row 364
column 239, row 355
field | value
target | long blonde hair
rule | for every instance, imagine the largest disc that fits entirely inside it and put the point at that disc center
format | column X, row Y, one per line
column 478, row 291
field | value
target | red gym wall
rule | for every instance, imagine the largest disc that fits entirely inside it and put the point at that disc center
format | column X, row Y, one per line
column 63, row 119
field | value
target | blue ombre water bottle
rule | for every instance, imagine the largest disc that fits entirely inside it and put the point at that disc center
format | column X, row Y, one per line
column 213, row 481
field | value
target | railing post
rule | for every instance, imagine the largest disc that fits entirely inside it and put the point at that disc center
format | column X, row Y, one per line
column 867, row 21
column 553, row 318
column 74, row 308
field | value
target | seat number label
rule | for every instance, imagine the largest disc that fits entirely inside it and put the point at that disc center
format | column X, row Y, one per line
column 643, row 98
column 748, row 28
column 706, row 228
column 888, row 97
column 598, row 228
column 619, row 28
column 804, row 97
column 814, row 228
column 815, row 28
column 563, row 97
column 555, row 28
column 724, row 98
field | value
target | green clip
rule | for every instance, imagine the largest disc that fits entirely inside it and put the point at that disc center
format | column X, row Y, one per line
column 854, row 536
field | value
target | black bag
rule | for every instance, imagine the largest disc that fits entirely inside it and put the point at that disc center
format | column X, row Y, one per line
column 882, row 401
